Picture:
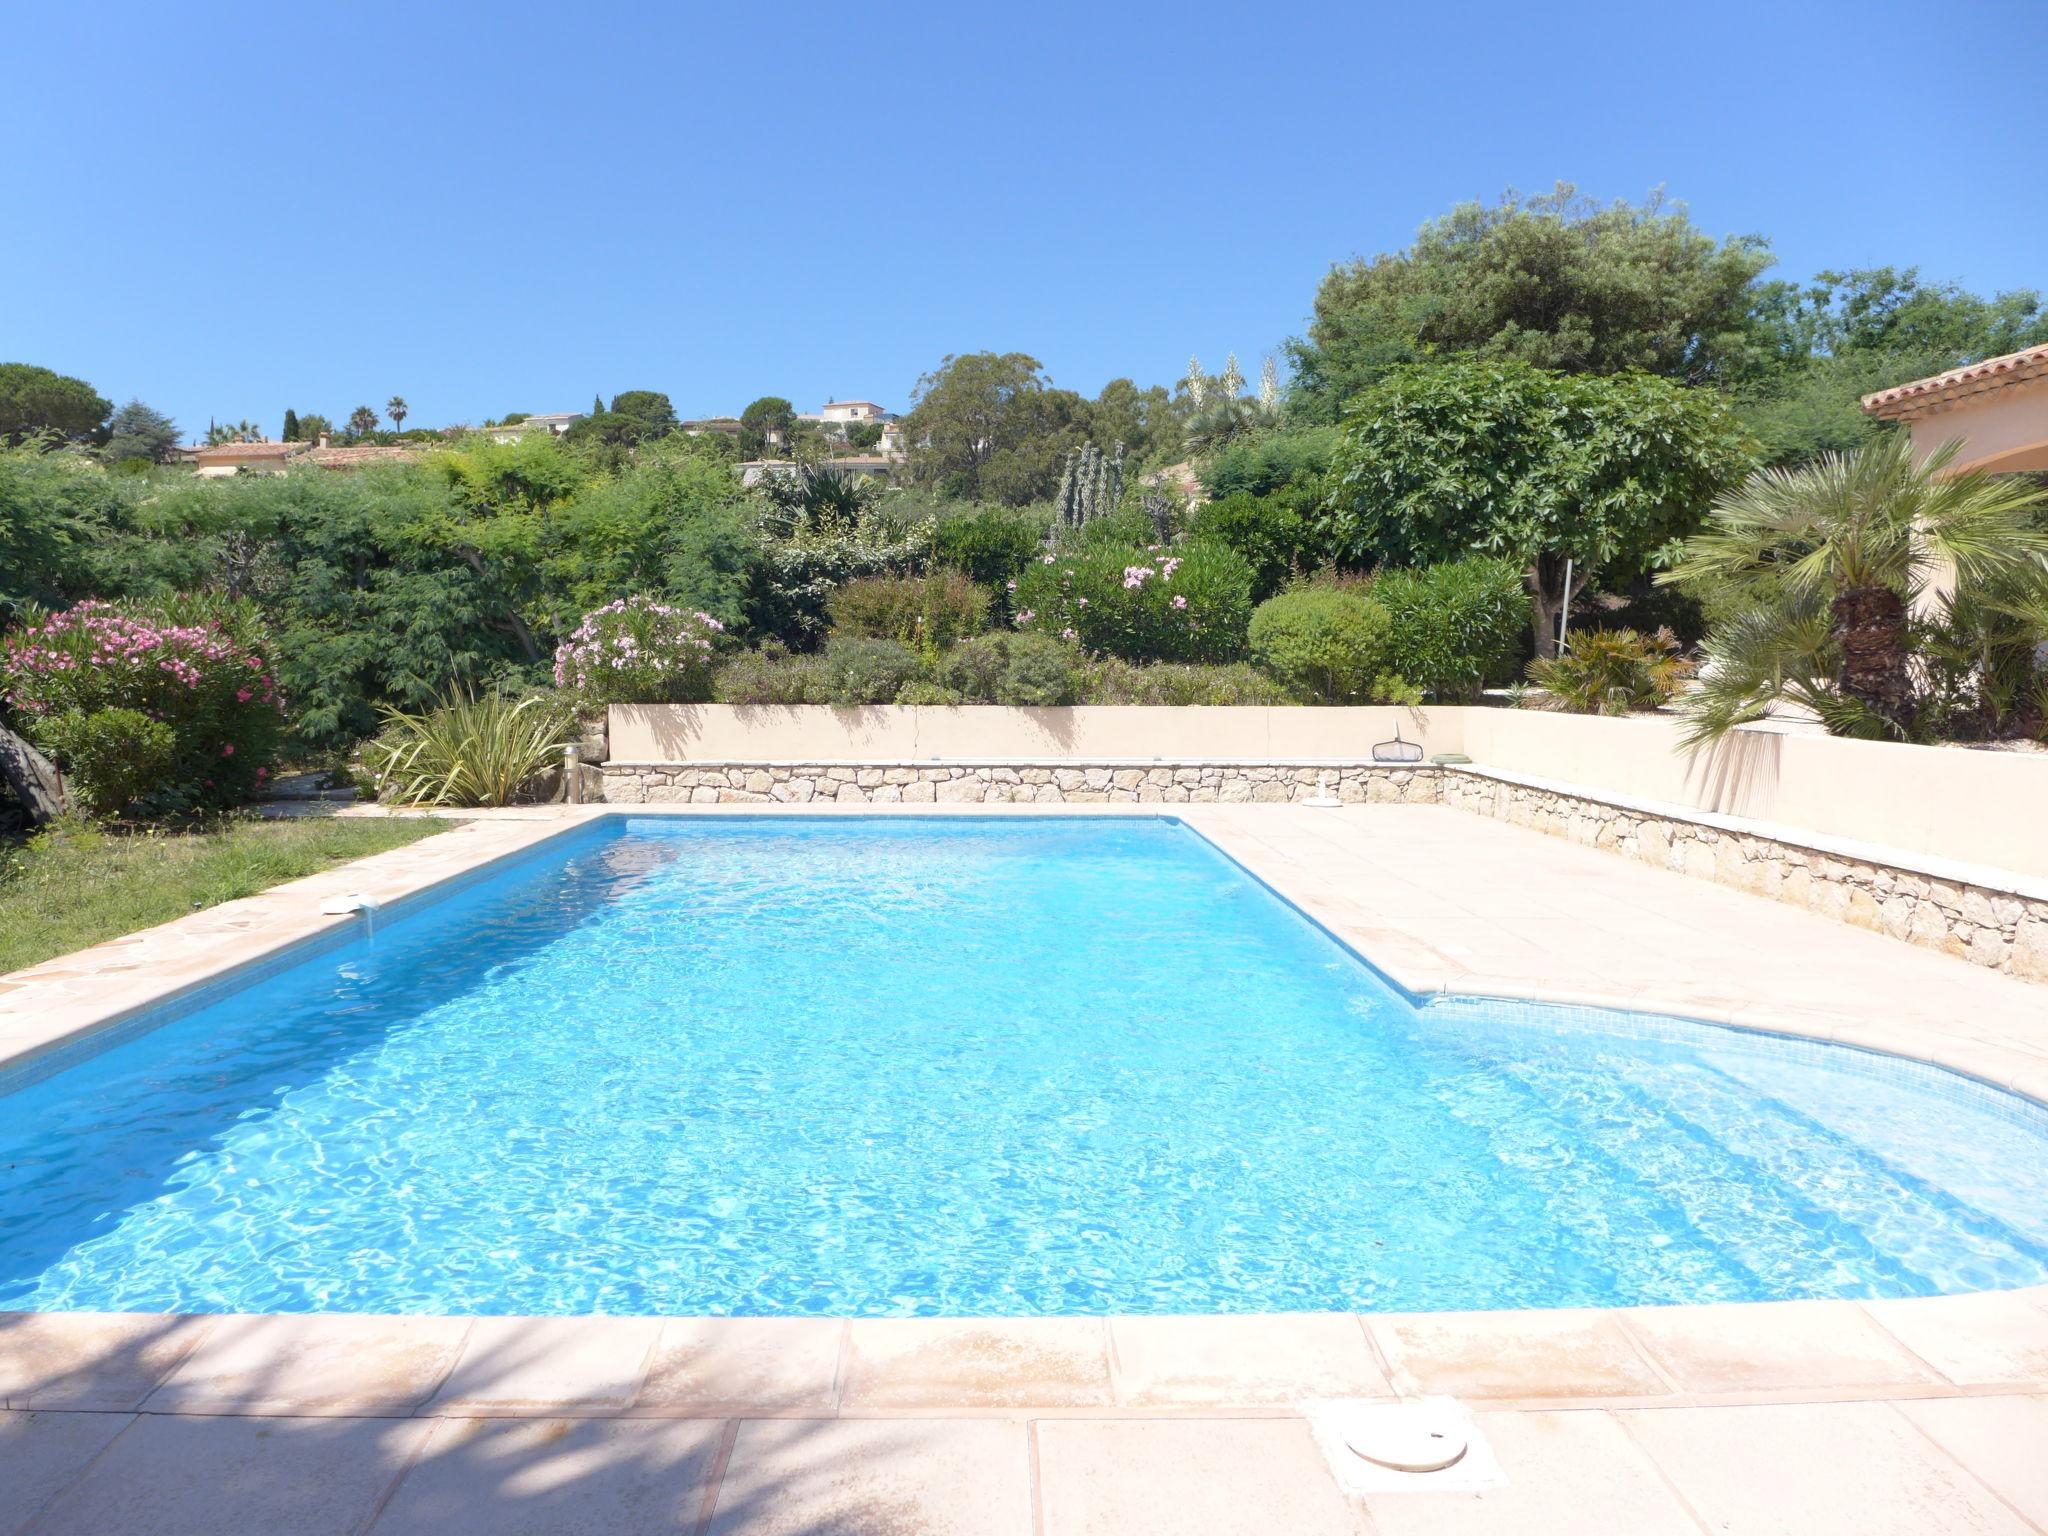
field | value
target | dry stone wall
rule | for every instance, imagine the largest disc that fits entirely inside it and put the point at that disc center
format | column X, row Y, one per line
column 984, row 784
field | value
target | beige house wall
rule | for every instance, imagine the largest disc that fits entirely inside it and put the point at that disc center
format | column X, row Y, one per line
column 2003, row 431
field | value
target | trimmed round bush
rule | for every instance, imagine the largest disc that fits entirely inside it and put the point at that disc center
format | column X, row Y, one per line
column 931, row 611
column 1025, row 670
column 111, row 758
column 203, row 676
column 1322, row 643
column 639, row 651
column 1142, row 604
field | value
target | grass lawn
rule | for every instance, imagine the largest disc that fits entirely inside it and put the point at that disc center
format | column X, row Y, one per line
column 69, row 888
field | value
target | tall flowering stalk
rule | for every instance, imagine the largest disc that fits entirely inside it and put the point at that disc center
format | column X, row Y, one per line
column 639, row 651
column 207, row 683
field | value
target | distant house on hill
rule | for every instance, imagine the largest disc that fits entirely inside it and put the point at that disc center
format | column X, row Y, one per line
column 846, row 412
column 556, row 422
column 273, row 458
column 754, row 471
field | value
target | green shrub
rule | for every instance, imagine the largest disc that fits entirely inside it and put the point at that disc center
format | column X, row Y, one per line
column 111, row 758
column 483, row 751
column 1457, row 627
column 920, row 691
column 1025, row 670
column 1110, row 681
column 199, row 668
column 1143, row 604
column 862, row 671
column 1260, row 463
column 1613, row 671
column 1122, row 529
column 772, row 675
column 1324, row 643
column 931, row 611
column 991, row 545
column 1272, row 536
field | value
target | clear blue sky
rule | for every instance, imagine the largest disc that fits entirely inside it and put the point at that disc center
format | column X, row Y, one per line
column 228, row 210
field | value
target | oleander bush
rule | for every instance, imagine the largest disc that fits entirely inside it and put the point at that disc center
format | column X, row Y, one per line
column 639, row 651
column 491, row 750
column 1613, row 671
column 1190, row 604
column 1329, row 645
column 928, row 612
column 200, row 670
column 1454, row 628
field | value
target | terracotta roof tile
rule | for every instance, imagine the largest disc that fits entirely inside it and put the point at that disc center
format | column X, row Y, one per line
column 1971, row 379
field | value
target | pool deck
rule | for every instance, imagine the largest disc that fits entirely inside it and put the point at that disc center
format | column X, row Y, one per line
column 1807, row 1418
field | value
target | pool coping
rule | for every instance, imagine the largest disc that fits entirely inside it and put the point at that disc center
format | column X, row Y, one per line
column 1257, row 1363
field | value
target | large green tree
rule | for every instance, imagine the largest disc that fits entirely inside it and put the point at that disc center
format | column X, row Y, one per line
column 1818, row 348
column 649, row 407
column 770, row 413
column 1557, row 281
column 1526, row 464
column 35, row 401
column 137, row 432
column 987, row 426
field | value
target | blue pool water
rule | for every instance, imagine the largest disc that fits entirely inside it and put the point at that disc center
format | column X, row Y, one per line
column 892, row 1067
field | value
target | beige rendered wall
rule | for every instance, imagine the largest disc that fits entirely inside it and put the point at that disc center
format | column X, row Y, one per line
column 2002, row 430
column 1947, row 802
column 678, row 733
column 1987, row 808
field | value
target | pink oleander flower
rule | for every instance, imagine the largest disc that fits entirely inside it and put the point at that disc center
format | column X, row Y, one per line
column 227, row 749
column 1180, row 600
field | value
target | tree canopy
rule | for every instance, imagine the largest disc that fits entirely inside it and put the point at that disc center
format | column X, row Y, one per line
column 1504, row 459
column 138, row 432
column 35, row 400
column 1557, row 281
column 648, row 407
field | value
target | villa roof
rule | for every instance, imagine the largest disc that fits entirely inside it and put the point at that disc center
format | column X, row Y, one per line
column 262, row 450
column 1906, row 401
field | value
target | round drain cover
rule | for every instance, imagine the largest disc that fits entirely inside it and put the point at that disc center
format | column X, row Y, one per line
column 1407, row 1437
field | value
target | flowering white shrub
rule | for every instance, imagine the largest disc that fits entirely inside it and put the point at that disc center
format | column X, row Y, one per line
column 638, row 651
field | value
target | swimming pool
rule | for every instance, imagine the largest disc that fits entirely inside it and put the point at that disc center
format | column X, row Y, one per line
column 965, row 1067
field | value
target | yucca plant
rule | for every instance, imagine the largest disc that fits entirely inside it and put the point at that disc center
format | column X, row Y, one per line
column 469, row 751
column 1849, row 543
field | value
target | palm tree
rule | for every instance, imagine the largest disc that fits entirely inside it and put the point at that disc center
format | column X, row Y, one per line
column 362, row 421
column 397, row 410
column 1827, row 561
column 243, row 431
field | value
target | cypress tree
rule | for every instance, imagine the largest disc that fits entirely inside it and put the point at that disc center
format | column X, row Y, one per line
column 291, row 425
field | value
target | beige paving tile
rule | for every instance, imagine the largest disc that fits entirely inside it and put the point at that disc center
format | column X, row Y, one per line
column 1171, row 1477
column 1535, row 1355
column 1773, row 1345
column 2003, row 1440
column 555, row 1477
column 42, row 1453
column 549, row 1364
column 169, row 1476
column 1836, row 1469
column 741, row 1365
column 89, row 1360
column 1004, row 1362
column 1574, row 1473
column 843, row 1477
column 336, row 1363
column 1996, row 1338
column 1268, row 1358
